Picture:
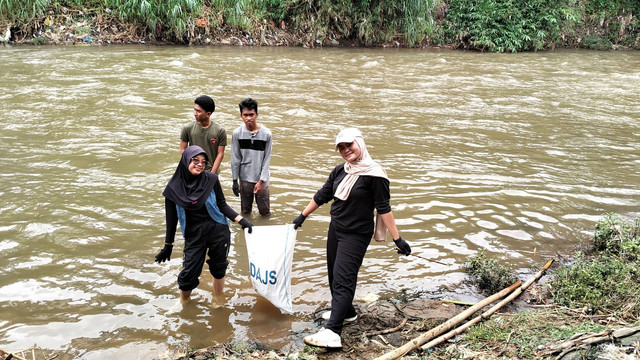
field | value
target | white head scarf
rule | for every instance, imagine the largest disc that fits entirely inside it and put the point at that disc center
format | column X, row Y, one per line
column 363, row 165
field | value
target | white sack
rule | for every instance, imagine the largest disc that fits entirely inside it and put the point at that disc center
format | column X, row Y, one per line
column 270, row 250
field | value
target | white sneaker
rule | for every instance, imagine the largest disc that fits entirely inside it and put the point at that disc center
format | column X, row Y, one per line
column 327, row 315
column 324, row 338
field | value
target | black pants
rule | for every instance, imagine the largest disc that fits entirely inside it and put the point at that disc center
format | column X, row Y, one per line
column 345, row 253
column 202, row 239
column 247, row 195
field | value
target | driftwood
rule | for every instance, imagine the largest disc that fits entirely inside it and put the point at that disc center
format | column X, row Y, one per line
column 386, row 331
column 415, row 343
column 7, row 355
column 585, row 340
column 489, row 312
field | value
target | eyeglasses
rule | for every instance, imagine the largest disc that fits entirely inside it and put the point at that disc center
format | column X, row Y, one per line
column 345, row 146
column 198, row 161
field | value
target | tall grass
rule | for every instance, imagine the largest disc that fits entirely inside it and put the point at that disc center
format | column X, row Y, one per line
column 368, row 21
column 19, row 10
column 173, row 17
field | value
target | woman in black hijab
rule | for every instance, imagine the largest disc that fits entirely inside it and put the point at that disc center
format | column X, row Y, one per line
column 194, row 198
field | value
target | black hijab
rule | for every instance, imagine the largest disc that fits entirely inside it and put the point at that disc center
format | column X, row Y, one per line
column 185, row 189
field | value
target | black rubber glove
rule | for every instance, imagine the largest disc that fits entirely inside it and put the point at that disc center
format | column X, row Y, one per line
column 246, row 224
column 236, row 188
column 164, row 254
column 403, row 246
column 297, row 222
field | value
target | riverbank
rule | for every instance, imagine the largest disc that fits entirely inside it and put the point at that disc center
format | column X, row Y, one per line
column 531, row 327
column 586, row 307
column 450, row 24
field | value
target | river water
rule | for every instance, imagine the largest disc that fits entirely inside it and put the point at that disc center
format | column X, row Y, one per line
column 516, row 154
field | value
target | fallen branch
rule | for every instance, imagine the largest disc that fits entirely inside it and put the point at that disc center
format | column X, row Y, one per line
column 386, row 331
column 586, row 340
column 489, row 312
column 404, row 313
column 415, row 343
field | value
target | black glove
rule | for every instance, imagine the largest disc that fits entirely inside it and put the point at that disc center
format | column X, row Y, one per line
column 403, row 246
column 236, row 188
column 297, row 222
column 164, row 254
column 246, row 224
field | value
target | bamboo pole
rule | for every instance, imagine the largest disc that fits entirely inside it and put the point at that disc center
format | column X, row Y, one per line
column 489, row 312
column 415, row 343
column 10, row 355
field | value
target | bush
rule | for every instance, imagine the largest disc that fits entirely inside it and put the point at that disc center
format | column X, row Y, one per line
column 617, row 237
column 489, row 275
column 507, row 25
column 609, row 280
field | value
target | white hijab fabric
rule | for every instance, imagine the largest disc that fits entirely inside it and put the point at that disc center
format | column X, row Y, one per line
column 364, row 165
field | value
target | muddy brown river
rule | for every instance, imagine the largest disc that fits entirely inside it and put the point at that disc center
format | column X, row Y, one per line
column 518, row 155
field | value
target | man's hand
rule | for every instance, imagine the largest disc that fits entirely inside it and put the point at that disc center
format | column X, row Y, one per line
column 258, row 187
column 164, row 254
column 236, row 187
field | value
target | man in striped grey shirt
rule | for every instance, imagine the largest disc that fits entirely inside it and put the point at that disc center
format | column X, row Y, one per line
column 250, row 156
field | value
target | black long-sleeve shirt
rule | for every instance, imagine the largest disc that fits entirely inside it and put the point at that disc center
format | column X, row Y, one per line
column 355, row 214
column 195, row 215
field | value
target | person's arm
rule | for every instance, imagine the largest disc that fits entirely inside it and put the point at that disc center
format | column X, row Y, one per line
column 218, row 160
column 224, row 208
column 390, row 223
column 236, row 155
column 382, row 196
column 172, row 220
column 264, row 167
column 184, row 138
column 228, row 211
column 171, row 214
column 311, row 207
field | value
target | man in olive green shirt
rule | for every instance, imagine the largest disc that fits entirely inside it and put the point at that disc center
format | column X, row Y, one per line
column 205, row 133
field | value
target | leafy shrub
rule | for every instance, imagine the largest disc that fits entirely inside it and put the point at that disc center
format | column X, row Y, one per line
column 596, row 43
column 617, row 237
column 489, row 274
column 507, row 25
column 608, row 281
column 603, row 285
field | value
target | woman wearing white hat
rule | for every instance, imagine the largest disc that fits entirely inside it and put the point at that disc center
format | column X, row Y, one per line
column 357, row 188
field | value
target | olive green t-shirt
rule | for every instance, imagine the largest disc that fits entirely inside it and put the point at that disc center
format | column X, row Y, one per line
column 209, row 139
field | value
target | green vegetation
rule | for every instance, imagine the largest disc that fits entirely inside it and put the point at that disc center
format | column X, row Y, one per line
column 601, row 283
column 490, row 275
column 486, row 25
column 518, row 336
column 607, row 280
column 508, row 26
